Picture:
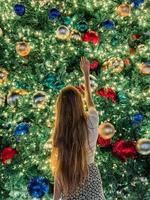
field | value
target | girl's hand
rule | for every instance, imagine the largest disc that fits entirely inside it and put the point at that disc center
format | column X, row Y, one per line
column 85, row 65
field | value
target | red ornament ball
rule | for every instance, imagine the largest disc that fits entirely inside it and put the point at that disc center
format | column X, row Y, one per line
column 103, row 142
column 7, row 155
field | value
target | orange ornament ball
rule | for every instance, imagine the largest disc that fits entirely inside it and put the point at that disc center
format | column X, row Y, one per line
column 106, row 130
column 124, row 10
column 23, row 49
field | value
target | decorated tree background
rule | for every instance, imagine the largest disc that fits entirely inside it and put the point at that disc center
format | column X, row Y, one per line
column 41, row 43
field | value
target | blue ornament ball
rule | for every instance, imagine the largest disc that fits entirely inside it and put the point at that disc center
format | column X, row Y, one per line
column 137, row 118
column 19, row 9
column 136, row 3
column 22, row 128
column 108, row 24
column 53, row 14
column 38, row 187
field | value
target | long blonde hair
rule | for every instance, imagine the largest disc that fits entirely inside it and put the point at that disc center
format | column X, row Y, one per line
column 69, row 155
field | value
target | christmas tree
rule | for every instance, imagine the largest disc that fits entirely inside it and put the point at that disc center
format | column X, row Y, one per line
column 41, row 43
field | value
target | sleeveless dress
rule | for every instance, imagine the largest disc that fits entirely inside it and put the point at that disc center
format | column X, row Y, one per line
column 91, row 188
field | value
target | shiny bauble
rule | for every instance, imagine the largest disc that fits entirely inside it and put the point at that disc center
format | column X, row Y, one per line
column 106, row 130
column 23, row 49
column 144, row 68
column 143, row 146
column 13, row 96
column 124, row 10
column 116, row 64
column 63, row 32
column 40, row 99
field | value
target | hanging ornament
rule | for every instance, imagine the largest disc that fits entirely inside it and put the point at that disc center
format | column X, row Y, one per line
column 136, row 36
column 94, row 65
column 19, row 9
column 136, row 119
column 107, row 93
column 124, row 149
column 124, row 10
column 143, row 146
column 102, row 142
column 38, row 187
column 136, row 3
column 23, row 48
column 82, row 26
column 7, row 155
column 76, row 35
column 132, row 50
column 3, row 75
column 14, row 96
column 66, row 21
column 2, row 100
column 144, row 68
column 114, row 41
column 40, row 99
column 54, row 14
column 141, row 48
column 116, row 64
column 93, row 82
column 106, row 130
column 63, row 33
column 51, row 81
column 1, row 32
column 126, row 61
column 121, row 97
column 22, row 128
column 91, row 36
column 108, row 24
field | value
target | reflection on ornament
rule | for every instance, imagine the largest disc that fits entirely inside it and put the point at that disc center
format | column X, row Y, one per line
column 3, row 75
column 143, row 146
column 2, row 100
column 1, row 32
column 144, row 68
column 62, row 32
column 106, row 130
column 124, row 10
column 38, row 187
column 116, row 64
column 23, row 48
column 21, row 129
column 82, row 26
column 40, row 99
column 13, row 96
column 76, row 35
column 93, row 82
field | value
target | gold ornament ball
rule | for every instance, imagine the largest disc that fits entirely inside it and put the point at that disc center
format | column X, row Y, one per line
column 76, row 35
column 144, row 69
column 3, row 75
column 23, row 49
column 63, row 33
column 40, row 99
column 116, row 64
column 106, row 130
column 14, row 95
column 124, row 10
column 143, row 146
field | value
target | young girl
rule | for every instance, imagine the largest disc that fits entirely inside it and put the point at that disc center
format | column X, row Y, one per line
column 74, row 143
